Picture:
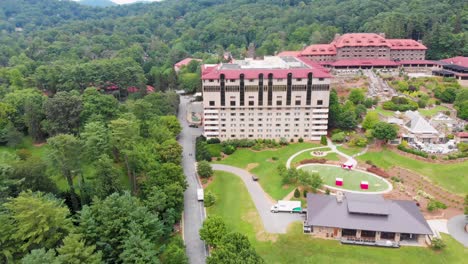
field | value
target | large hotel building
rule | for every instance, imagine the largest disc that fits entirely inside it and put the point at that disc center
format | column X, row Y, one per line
column 277, row 97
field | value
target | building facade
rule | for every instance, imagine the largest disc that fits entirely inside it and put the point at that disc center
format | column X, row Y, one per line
column 277, row 97
column 365, row 46
column 365, row 217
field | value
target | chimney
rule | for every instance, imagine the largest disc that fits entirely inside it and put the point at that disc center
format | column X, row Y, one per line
column 382, row 34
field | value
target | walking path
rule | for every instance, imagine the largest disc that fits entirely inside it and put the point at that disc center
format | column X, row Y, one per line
column 272, row 222
column 456, row 228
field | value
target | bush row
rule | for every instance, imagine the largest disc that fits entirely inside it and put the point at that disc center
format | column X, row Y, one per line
column 412, row 151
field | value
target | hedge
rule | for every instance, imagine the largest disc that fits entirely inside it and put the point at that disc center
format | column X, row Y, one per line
column 413, row 151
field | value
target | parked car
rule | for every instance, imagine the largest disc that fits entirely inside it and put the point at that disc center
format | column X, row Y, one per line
column 254, row 178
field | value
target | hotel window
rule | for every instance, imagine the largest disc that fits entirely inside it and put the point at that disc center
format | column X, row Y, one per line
column 319, row 102
column 212, row 103
column 298, row 102
column 233, row 103
column 251, row 103
column 278, row 102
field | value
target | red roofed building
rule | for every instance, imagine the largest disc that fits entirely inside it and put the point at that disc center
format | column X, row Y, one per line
column 370, row 49
column 276, row 97
column 461, row 137
column 183, row 63
column 456, row 67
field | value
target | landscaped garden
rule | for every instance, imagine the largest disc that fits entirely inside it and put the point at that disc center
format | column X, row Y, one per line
column 307, row 155
column 264, row 165
column 235, row 206
column 450, row 176
column 351, row 178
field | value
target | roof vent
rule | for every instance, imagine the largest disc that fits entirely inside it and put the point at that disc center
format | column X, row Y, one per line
column 339, row 197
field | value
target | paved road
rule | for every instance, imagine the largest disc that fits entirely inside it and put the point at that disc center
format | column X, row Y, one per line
column 194, row 213
column 456, row 227
column 273, row 222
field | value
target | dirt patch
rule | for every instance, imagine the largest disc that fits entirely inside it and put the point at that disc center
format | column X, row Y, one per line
column 206, row 182
column 39, row 144
column 251, row 166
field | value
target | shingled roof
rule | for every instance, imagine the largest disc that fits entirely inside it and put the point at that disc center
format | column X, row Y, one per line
column 366, row 212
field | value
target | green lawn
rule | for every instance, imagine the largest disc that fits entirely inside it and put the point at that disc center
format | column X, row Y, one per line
column 349, row 150
column 452, row 177
column 261, row 163
column 432, row 111
column 214, row 149
column 351, row 178
column 308, row 155
column 382, row 111
column 237, row 209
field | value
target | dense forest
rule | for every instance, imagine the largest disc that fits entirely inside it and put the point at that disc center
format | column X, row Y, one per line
column 89, row 165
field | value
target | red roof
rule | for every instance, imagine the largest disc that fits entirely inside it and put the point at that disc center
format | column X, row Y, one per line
column 319, row 49
column 213, row 72
column 462, row 61
column 288, row 53
column 405, row 44
column 417, row 62
column 462, row 134
column 364, row 62
column 185, row 62
column 360, row 40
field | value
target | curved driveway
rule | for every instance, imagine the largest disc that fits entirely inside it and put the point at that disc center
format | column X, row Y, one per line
column 456, row 226
column 273, row 222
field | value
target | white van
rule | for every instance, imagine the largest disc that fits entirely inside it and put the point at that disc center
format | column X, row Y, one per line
column 200, row 194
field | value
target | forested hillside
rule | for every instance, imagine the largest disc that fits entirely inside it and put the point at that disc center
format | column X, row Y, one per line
column 89, row 165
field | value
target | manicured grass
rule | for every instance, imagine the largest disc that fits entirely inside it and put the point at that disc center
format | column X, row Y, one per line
column 214, row 149
column 350, row 151
column 238, row 211
column 308, row 155
column 261, row 163
column 432, row 111
column 452, row 177
column 382, row 111
column 351, row 178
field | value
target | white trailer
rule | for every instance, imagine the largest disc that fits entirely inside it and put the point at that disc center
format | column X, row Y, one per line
column 200, row 194
column 287, row 206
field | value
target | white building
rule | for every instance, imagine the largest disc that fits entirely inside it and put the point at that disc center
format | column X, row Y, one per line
column 277, row 97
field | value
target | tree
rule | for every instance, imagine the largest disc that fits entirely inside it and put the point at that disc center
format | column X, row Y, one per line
column 63, row 113
column 213, row 230
column 124, row 133
column 357, row 96
column 95, row 140
column 175, row 252
column 347, row 119
column 172, row 123
column 235, row 248
column 204, row 169
column 466, row 205
column 107, row 223
column 97, row 106
column 371, row 119
column 190, row 82
column 297, row 194
column 209, row 199
column 334, row 110
column 37, row 220
column 33, row 116
column 170, row 151
column 323, row 140
column 64, row 153
column 107, row 177
column 40, row 256
column 137, row 248
column 75, row 251
column 384, row 131
column 32, row 172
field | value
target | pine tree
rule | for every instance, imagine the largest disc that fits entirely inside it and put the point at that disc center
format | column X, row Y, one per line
column 74, row 251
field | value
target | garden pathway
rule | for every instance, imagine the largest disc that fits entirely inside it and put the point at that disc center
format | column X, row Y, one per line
column 273, row 222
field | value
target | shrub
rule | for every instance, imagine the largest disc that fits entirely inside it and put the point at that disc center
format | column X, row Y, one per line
column 228, row 149
column 433, row 157
column 274, row 158
column 412, row 151
column 201, row 149
column 327, row 191
column 370, row 162
column 283, row 142
column 213, row 141
column 339, row 137
column 437, row 243
column 291, row 140
column 434, row 205
column 358, row 141
column 323, row 140
column 204, row 169
column 297, row 194
column 23, row 154
column 209, row 199
column 300, row 140
column 437, row 102
column 450, row 136
column 305, row 193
